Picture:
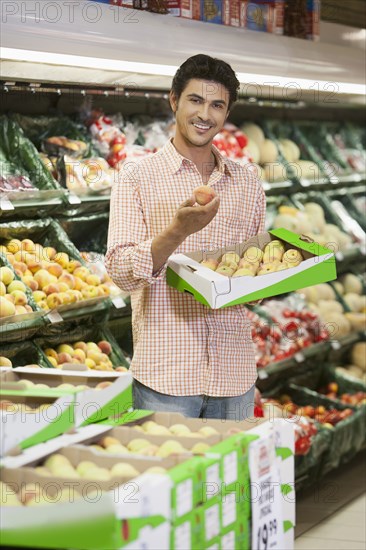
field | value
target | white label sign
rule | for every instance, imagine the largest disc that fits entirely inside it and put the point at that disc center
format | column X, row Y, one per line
column 184, row 492
column 231, row 468
column 267, row 521
column 228, row 540
column 183, row 536
column 212, row 522
column 228, row 509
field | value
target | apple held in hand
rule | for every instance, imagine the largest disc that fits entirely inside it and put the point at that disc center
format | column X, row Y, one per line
column 204, row 194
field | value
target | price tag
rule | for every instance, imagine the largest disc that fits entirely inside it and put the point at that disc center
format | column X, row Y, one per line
column 262, row 374
column 6, row 204
column 54, row 317
column 299, row 357
column 118, row 302
column 212, row 522
column 267, row 521
column 305, row 183
column 231, row 468
column 339, row 256
column 184, row 494
column 335, row 345
column 73, row 199
column 266, row 186
column 183, row 536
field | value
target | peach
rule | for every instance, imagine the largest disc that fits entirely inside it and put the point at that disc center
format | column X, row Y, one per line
column 71, row 296
column 229, row 258
column 28, row 308
column 7, row 308
column 81, row 272
column 105, row 347
column 2, row 289
column 93, row 280
column 89, row 292
column 20, row 298
column 204, row 194
column 53, row 361
column 121, row 369
column 20, row 310
column 28, row 245
column 34, row 266
column 39, row 295
column 30, row 282
column 38, row 252
column 51, row 352
column 80, row 354
column 53, row 300
column 243, row 264
column 80, row 345
column 51, row 289
column 16, row 285
column 242, row 272
column 95, row 356
column 20, row 266
column 90, row 363
column 253, row 254
column 65, row 348
column 63, row 287
column 292, row 256
column 43, row 278
column 105, row 288
column 6, row 275
column 79, row 283
column 43, row 305
column 27, row 273
column 10, row 297
column 210, row 264
column 225, row 270
column 64, row 358
column 68, row 279
column 72, row 265
column 49, row 252
column 55, row 269
column 62, row 258
column 5, row 362
column 103, row 385
column 14, row 245
column 65, row 298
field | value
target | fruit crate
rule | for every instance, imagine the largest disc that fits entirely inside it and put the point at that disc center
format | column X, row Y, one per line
column 84, row 334
column 47, row 232
column 346, row 440
column 87, row 233
column 24, row 325
column 22, row 354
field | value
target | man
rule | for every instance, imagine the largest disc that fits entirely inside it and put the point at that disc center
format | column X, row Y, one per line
column 187, row 357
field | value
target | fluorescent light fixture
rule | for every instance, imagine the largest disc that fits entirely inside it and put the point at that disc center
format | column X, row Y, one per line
column 169, row 70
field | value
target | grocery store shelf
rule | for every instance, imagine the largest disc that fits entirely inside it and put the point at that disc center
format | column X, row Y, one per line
column 71, row 51
column 30, row 203
column 348, row 258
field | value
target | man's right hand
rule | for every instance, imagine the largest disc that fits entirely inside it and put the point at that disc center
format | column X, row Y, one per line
column 191, row 217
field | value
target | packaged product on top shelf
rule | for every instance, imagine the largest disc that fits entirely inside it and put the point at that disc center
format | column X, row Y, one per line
column 263, row 15
column 231, row 13
column 211, row 11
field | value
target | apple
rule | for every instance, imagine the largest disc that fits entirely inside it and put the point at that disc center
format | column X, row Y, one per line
column 200, row 447
column 137, row 444
column 225, row 270
column 210, row 264
column 229, row 258
column 117, row 449
column 170, row 447
column 105, row 347
column 155, row 470
column 292, row 256
column 242, row 272
column 179, row 429
column 207, row 431
column 124, row 470
column 5, row 362
column 253, row 254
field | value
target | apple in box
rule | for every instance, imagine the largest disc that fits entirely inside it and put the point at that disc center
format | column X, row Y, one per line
column 251, row 270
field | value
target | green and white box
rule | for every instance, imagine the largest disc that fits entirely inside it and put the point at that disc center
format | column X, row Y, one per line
column 186, row 274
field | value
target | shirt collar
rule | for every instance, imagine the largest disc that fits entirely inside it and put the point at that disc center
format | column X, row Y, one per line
column 175, row 159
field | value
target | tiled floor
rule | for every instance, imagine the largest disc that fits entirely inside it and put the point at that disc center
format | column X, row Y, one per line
column 332, row 515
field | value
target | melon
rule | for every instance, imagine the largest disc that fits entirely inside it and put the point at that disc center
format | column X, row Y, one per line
column 337, row 324
column 254, row 132
column 358, row 355
column 274, row 171
column 285, row 221
column 308, row 170
column 310, row 294
column 330, row 305
column 253, row 150
column 351, row 283
column 357, row 320
column 339, row 287
column 304, row 226
column 353, row 301
column 325, row 292
column 268, row 151
column 290, row 150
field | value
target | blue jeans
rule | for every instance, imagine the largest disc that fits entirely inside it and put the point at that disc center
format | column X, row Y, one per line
column 235, row 408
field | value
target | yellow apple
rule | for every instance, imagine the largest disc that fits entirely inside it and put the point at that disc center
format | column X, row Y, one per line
column 6, row 275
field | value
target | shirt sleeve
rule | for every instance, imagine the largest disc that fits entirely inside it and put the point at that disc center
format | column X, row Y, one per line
column 129, row 259
column 260, row 211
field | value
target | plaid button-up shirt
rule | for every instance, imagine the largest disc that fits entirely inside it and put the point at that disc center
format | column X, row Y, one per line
column 182, row 347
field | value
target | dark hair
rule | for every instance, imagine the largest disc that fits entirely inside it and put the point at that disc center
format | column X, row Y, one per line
column 204, row 67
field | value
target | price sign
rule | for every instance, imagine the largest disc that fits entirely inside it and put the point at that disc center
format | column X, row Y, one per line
column 6, row 204
column 73, row 199
column 267, row 521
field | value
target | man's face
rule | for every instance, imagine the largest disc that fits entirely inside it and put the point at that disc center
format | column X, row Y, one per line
column 201, row 111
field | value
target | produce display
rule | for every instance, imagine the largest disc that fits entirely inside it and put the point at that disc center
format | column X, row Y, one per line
column 285, row 328
column 179, row 430
column 9, row 406
column 144, row 447
column 31, row 495
column 94, row 356
column 13, row 297
column 357, row 365
column 311, row 222
column 15, row 183
column 28, row 384
column 332, row 392
column 54, row 278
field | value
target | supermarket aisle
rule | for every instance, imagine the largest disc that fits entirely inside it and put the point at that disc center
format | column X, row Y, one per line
column 332, row 516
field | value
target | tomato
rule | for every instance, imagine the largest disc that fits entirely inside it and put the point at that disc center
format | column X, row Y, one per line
column 302, row 445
